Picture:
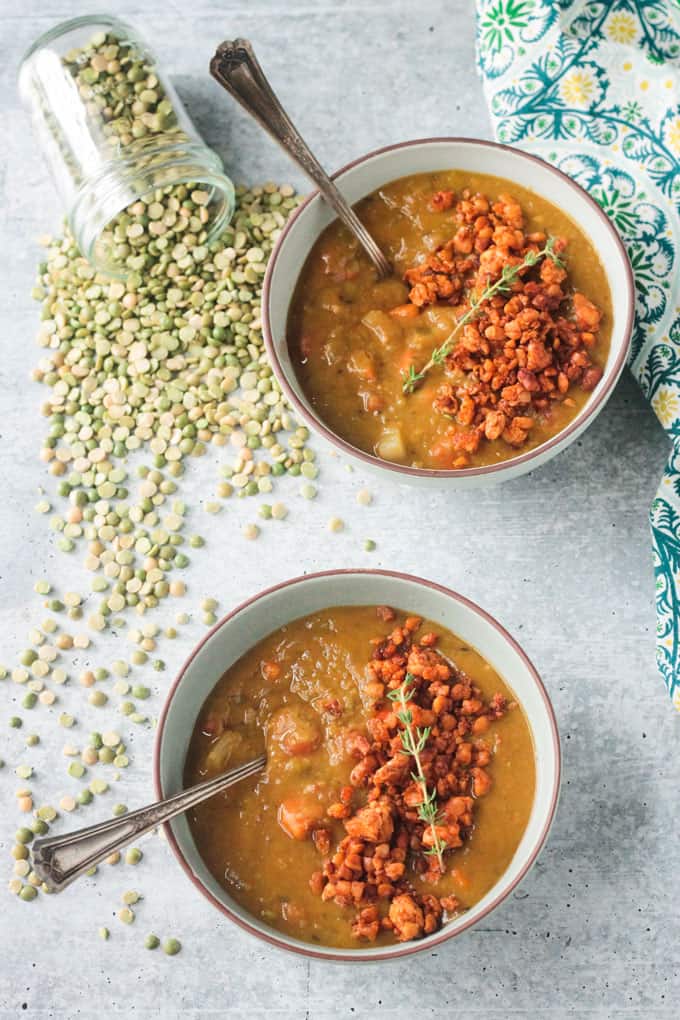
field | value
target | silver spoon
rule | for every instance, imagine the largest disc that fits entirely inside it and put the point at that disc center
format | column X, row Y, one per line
column 58, row 860
column 236, row 68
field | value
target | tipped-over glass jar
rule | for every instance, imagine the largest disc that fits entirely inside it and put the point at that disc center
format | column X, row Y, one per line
column 128, row 162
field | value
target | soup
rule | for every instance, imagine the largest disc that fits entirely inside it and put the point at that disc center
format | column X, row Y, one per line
column 399, row 780
column 486, row 342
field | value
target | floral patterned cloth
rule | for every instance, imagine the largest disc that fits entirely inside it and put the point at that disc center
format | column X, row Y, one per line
column 593, row 86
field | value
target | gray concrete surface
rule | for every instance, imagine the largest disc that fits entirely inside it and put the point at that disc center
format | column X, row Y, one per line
column 562, row 557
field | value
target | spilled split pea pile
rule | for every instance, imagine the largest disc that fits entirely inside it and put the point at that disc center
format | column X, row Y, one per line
column 166, row 362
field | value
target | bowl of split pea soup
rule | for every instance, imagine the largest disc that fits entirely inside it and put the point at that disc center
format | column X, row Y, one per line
column 496, row 341
column 413, row 764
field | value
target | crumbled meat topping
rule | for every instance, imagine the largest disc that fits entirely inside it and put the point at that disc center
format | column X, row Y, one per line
column 386, row 845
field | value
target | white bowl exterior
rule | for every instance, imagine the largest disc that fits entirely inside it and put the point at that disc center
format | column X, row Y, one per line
column 274, row 609
column 461, row 154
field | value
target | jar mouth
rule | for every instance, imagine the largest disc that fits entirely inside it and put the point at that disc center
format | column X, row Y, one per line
column 147, row 167
column 84, row 21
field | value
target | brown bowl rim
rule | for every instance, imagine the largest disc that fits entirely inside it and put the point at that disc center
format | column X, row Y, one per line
column 410, row 948
column 311, row 418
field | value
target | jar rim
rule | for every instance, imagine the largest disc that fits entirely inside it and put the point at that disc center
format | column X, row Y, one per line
column 100, row 199
column 70, row 25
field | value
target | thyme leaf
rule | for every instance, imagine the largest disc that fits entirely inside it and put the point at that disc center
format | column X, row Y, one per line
column 413, row 740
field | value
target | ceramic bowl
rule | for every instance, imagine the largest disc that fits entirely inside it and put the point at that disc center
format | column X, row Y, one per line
column 273, row 608
column 364, row 176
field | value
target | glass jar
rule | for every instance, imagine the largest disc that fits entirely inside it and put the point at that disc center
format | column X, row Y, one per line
column 116, row 134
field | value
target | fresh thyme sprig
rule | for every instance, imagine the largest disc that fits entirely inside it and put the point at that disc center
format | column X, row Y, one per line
column 413, row 741
column 501, row 286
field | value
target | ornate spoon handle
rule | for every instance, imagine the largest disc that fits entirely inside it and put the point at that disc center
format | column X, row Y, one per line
column 61, row 859
column 236, row 68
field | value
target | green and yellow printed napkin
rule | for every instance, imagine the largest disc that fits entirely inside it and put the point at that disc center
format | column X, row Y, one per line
column 593, row 86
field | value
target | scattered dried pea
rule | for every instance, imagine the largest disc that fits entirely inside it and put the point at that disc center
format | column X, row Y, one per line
column 89, row 756
column 65, row 278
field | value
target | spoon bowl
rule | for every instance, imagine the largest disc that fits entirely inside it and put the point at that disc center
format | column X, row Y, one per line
column 60, row 860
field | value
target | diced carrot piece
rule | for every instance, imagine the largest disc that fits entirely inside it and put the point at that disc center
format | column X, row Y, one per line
column 442, row 453
column 362, row 365
column 296, row 730
column 406, row 360
column 298, row 816
column 407, row 311
column 270, row 670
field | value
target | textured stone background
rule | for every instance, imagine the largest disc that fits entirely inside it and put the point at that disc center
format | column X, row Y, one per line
column 562, row 557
